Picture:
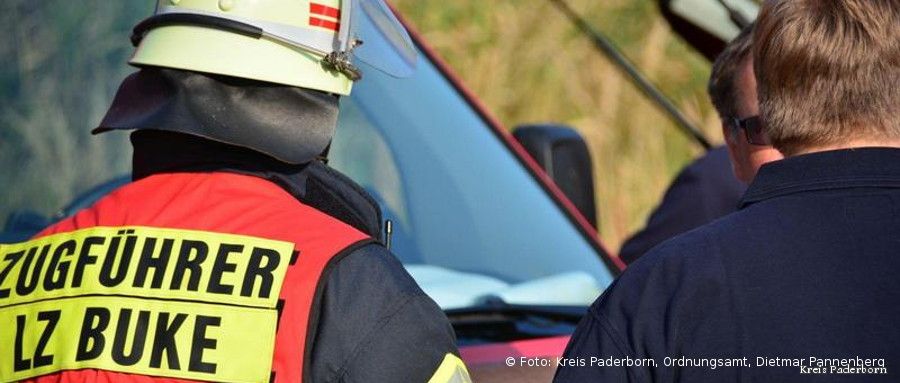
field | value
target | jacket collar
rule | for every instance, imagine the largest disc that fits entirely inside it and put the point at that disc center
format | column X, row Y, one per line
column 838, row 169
column 314, row 183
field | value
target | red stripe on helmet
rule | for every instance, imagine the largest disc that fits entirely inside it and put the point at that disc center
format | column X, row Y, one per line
column 324, row 10
column 327, row 24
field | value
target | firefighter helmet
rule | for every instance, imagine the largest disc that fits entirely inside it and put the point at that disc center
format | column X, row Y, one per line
column 310, row 44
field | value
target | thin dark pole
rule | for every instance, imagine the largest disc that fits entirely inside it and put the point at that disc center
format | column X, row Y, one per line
column 607, row 48
column 736, row 17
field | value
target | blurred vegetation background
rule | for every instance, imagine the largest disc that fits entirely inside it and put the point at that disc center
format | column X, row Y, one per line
column 529, row 64
column 62, row 61
column 61, row 64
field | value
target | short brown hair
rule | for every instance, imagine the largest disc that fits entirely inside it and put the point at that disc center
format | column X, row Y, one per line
column 828, row 71
column 725, row 71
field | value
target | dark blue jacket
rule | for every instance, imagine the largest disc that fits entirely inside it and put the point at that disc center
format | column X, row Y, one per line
column 809, row 267
column 704, row 190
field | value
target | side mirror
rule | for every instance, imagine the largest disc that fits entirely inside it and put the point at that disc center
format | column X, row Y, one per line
column 564, row 156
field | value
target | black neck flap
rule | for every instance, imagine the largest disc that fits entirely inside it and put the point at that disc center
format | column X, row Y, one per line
column 293, row 125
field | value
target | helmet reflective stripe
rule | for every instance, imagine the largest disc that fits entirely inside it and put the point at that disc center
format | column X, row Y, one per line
column 321, row 16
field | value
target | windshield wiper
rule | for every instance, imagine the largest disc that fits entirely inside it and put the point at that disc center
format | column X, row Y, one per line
column 496, row 320
column 516, row 311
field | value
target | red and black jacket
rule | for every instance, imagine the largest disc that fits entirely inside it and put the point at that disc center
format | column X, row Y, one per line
column 346, row 311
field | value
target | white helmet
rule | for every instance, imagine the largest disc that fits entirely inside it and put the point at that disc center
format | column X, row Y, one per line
column 303, row 43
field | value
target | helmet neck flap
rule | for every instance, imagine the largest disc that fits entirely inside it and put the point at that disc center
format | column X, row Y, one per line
column 293, row 125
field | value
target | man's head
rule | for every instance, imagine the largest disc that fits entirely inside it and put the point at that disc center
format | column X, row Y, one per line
column 829, row 73
column 732, row 87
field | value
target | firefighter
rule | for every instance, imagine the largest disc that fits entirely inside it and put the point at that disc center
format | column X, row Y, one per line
column 237, row 254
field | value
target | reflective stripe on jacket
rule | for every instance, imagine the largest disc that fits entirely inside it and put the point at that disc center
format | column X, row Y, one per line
column 204, row 250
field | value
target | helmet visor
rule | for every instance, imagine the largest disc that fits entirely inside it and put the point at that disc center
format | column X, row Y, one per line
column 386, row 44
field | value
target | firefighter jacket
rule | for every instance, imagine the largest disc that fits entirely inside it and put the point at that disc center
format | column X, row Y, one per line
column 210, row 267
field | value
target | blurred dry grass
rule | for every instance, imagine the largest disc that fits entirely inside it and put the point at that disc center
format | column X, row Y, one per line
column 529, row 64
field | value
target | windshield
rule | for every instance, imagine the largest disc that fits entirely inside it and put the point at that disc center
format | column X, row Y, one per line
column 469, row 222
